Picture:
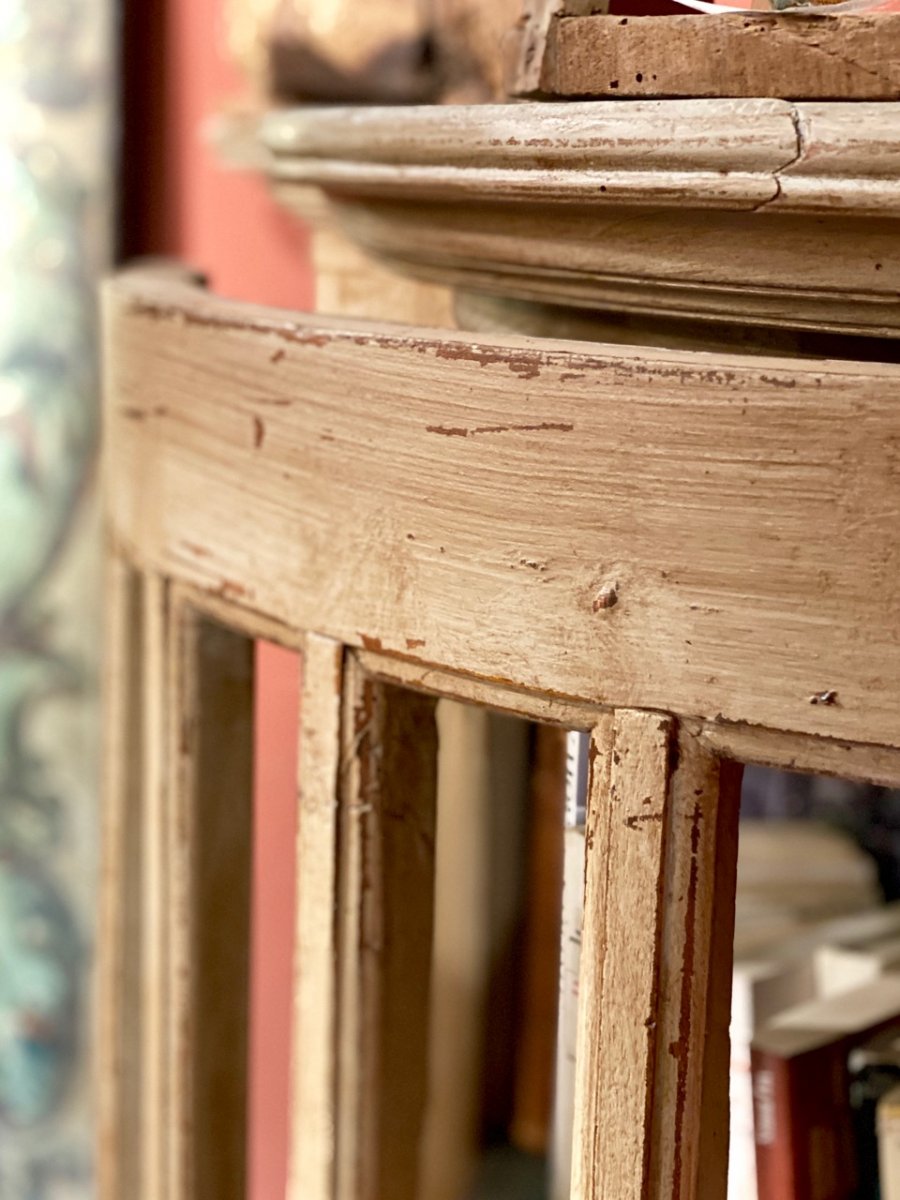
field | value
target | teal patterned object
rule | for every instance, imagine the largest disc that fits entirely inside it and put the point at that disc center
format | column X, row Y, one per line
column 55, row 165
column 48, row 428
column 47, row 409
column 39, row 39
column 38, row 954
column 30, row 812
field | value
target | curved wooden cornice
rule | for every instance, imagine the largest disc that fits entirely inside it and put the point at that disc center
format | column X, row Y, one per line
column 757, row 211
column 730, row 154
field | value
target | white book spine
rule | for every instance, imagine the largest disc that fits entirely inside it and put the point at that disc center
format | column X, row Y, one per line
column 577, row 768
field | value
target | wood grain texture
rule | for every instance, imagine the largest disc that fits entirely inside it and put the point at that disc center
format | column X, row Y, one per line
column 386, row 916
column 476, row 505
column 526, row 54
column 690, row 208
column 840, row 57
column 820, row 756
column 651, row 1090
column 716, row 154
column 689, row 1135
column 250, row 624
column 757, row 744
column 526, row 60
column 159, row 1118
column 618, row 1004
column 208, row 862
column 314, row 1088
column 469, row 690
column 119, row 1011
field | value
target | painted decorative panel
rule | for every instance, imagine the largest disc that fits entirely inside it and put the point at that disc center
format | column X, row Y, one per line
column 56, row 105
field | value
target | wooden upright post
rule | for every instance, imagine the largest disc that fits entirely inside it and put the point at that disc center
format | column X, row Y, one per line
column 652, row 1056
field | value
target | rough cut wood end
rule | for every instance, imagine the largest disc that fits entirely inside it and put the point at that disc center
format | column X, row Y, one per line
column 849, row 57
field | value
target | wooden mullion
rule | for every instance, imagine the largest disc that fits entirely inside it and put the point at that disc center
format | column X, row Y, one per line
column 690, row 1121
column 386, row 917
column 617, row 1006
column 119, row 940
column 652, row 1053
column 155, row 1116
column 313, row 1144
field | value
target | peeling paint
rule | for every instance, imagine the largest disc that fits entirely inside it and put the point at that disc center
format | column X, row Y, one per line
column 462, row 431
column 229, row 590
column 643, row 819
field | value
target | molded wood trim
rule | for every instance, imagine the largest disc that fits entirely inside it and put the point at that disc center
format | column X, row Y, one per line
column 725, row 153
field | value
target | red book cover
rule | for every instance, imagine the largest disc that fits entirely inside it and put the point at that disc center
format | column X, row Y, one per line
column 801, row 1105
column 804, row 1138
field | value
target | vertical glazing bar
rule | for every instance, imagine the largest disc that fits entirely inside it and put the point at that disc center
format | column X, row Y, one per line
column 617, row 998
column 652, row 1060
column 118, row 1038
column 690, row 1142
column 313, row 1149
column 154, row 1094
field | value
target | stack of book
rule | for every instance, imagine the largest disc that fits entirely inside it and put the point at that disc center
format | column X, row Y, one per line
column 820, row 1071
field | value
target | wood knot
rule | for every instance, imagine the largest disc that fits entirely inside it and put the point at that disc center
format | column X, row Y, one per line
column 608, row 598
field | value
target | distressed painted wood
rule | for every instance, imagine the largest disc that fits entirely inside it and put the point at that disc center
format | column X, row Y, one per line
column 845, row 56
column 820, row 756
column 159, row 1119
column 526, row 56
column 208, row 862
column 618, row 1010
column 693, row 554
column 530, row 705
column 418, row 494
column 386, row 929
column 119, row 996
column 698, row 209
column 654, row 994
column 758, row 744
column 689, row 1138
column 315, row 1030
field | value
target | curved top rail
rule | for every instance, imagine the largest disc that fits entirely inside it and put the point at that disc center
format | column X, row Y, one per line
column 709, row 534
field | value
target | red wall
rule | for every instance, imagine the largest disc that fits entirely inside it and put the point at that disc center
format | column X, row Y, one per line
column 180, row 201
